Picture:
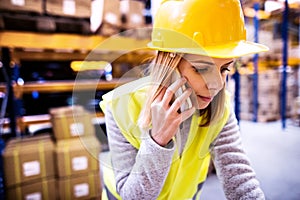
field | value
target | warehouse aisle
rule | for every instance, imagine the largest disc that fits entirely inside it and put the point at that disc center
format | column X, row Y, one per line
column 275, row 156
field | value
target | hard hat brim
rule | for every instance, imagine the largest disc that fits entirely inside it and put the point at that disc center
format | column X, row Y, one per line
column 232, row 50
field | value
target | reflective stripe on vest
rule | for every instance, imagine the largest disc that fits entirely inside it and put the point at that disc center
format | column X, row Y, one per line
column 187, row 171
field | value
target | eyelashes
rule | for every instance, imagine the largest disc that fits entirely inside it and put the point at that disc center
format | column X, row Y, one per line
column 202, row 70
column 224, row 70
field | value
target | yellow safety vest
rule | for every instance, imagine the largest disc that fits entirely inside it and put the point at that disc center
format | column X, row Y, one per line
column 188, row 171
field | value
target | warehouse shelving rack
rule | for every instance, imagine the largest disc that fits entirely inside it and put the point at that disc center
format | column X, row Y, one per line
column 59, row 46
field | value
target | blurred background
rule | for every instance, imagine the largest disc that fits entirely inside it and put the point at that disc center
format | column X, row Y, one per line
column 58, row 57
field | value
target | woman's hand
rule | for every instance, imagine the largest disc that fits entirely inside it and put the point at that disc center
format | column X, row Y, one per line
column 165, row 116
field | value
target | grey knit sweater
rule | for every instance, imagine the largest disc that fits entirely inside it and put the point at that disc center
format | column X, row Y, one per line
column 140, row 173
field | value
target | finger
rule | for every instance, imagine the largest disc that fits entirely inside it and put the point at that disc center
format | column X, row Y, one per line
column 188, row 113
column 172, row 89
column 180, row 100
column 159, row 96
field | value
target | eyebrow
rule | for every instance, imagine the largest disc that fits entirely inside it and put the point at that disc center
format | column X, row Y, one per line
column 228, row 63
column 202, row 62
column 210, row 63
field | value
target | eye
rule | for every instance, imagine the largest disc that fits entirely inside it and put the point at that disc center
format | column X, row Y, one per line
column 225, row 70
column 200, row 69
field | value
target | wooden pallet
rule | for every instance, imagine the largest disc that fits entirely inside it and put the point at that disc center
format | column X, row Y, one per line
column 268, row 118
column 260, row 118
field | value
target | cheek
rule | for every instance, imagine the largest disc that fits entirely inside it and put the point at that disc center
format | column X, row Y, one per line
column 196, row 82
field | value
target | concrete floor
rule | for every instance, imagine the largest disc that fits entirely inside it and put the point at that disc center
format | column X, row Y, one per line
column 275, row 157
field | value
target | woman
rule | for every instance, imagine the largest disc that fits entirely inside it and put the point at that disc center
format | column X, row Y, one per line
column 160, row 145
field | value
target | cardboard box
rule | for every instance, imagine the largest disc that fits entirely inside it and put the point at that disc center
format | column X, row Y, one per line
column 133, row 12
column 28, row 159
column 35, row 6
column 70, row 122
column 70, row 8
column 45, row 189
column 77, row 156
column 111, row 23
column 111, row 12
column 87, row 186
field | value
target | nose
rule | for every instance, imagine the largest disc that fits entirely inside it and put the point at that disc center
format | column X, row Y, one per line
column 214, row 81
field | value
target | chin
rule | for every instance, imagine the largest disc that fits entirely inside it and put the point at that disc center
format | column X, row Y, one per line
column 202, row 105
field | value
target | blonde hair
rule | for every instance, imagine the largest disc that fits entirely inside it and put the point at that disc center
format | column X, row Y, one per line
column 160, row 71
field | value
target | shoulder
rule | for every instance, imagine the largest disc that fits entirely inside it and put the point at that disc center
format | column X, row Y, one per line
column 136, row 86
column 125, row 104
column 131, row 94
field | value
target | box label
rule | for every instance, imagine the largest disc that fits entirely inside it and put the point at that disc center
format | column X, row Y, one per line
column 77, row 129
column 69, row 7
column 81, row 190
column 18, row 2
column 79, row 163
column 34, row 196
column 31, row 168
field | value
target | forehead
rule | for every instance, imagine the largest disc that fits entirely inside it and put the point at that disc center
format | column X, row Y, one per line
column 206, row 59
column 194, row 57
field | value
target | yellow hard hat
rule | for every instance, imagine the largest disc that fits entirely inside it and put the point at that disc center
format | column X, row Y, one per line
column 207, row 27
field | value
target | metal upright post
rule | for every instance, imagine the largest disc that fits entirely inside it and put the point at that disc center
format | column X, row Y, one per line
column 284, row 62
column 255, row 63
column 236, row 77
column 10, row 92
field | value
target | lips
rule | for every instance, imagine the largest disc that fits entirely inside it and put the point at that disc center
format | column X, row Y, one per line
column 205, row 99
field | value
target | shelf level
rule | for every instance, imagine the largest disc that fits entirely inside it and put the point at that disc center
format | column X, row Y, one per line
column 67, row 86
column 37, row 122
column 71, row 42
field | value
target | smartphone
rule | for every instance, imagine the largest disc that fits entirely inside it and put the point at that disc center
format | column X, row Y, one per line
column 188, row 103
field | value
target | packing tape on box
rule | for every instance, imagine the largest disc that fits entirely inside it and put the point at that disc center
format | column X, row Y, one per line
column 66, row 129
column 45, row 190
column 67, row 160
column 92, row 183
column 17, row 164
column 42, row 158
column 94, row 163
column 18, row 192
column 68, row 191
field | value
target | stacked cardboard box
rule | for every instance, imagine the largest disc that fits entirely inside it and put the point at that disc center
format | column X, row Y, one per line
column 35, row 6
column 123, row 15
column 111, row 23
column 71, row 122
column 133, row 13
column 29, row 170
column 269, row 95
column 292, row 88
column 77, row 150
column 268, row 99
column 246, row 97
column 69, row 8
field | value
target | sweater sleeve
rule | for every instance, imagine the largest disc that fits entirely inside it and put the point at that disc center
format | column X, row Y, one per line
column 139, row 173
column 233, row 166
